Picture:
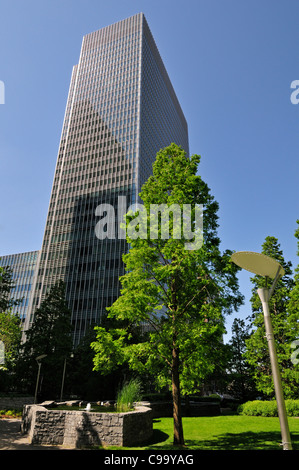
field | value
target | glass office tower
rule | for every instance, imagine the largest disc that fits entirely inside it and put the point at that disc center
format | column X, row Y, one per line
column 121, row 110
column 23, row 267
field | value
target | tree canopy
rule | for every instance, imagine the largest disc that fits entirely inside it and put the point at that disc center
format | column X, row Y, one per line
column 10, row 327
column 284, row 316
column 179, row 295
column 50, row 334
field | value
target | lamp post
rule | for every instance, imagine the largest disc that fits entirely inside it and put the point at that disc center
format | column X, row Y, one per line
column 265, row 266
column 63, row 376
column 38, row 360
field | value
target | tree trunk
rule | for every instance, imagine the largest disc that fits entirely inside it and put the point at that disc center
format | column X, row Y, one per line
column 178, row 435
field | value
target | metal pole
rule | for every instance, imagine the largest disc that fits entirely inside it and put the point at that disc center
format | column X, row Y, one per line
column 37, row 380
column 62, row 383
column 285, row 433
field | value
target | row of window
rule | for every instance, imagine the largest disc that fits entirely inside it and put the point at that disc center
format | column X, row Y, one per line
column 21, row 288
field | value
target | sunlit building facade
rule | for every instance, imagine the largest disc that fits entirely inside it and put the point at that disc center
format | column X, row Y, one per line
column 121, row 110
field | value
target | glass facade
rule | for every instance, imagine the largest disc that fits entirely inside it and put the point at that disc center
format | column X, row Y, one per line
column 121, row 109
column 23, row 266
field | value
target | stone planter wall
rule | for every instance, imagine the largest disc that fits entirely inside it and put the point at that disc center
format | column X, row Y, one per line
column 83, row 429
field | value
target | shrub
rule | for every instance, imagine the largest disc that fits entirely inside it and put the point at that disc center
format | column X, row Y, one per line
column 10, row 413
column 130, row 393
column 258, row 408
column 267, row 408
column 292, row 407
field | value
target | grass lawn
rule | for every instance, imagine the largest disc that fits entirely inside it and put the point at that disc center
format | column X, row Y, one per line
column 223, row 433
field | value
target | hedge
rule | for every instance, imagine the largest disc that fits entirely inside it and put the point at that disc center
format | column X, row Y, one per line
column 267, row 408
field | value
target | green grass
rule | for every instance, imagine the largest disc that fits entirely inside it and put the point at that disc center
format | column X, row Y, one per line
column 223, row 433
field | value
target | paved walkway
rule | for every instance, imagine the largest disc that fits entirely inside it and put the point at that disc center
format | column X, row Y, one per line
column 11, row 437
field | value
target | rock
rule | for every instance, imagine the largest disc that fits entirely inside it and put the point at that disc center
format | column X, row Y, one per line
column 48, row 403
column 73, row 403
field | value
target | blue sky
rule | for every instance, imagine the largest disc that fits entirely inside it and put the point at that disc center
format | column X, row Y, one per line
column 231, row 63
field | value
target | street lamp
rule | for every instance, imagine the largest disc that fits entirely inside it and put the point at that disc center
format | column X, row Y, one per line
column 38, row 360
column 63, row 376
column 267, row 267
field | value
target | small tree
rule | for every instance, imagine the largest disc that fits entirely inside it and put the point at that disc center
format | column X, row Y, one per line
column 10, row 335
column 10, row 328
column 6, row 286
column 49, row 334
column 240, row 372
column 180, row 295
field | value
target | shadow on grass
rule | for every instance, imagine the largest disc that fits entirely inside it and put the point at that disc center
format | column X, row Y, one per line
column 243, row 441
column 229, row 441
column 158, row 437
column 265, row 440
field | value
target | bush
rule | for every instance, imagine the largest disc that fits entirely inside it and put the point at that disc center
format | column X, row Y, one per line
column 10, row 413
column 267, row 408
column 258, row 408
column 292, row 407
column 130, row 393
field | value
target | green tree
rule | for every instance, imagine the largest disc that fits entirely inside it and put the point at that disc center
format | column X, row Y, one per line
column 293, row 313
column 179, row 295
column 83, row 381
column 240, row 372
column 49, row 334
column 10, row 335
column 10, row 328
column 6, row 286
column 285, row 328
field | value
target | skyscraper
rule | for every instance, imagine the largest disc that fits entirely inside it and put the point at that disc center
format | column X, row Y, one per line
column 121, row 109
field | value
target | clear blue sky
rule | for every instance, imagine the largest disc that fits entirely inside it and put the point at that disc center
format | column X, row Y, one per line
column 231, row 63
